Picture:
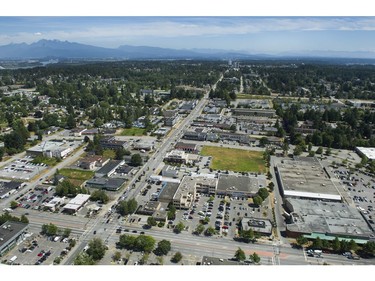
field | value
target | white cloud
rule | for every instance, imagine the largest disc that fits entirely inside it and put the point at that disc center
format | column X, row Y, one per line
column 38, row 33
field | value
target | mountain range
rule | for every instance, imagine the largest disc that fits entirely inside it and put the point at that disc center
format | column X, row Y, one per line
column 55, row 49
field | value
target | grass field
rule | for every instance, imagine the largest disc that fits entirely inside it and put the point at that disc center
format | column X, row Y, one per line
column 133, row 132
column 76, row 174
column 45, row 160
column 248, row 96
column 237, row 160
column 109, row 153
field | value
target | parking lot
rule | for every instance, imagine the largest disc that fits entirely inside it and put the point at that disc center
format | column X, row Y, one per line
column 361, row 189
column 224, row 213
column 38, row 250
column 34, row 199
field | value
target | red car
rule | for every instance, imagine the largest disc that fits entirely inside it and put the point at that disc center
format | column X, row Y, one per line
column 41, row 254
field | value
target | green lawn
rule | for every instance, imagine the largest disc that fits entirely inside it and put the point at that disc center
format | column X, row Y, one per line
column 109, row 153
column 133, row 132
column 237, row 160
column 74, row 174
column 257, row 97
column 45, row 160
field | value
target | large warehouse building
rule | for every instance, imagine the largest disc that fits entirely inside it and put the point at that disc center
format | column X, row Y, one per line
column 304, row 177
column 325, row 219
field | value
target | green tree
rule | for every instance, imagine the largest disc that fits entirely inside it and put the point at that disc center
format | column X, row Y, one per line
column 66, row 232
column 116, row 256
column 301, row 240
column 49, row 229
column 297, row 150
column 263, row 193
column 70, row 122
column 13, row 204
column 126, row 242
column 210, row 231
column 179, row 227
column 144, row 243
column 96, row 249
column 319, row 150
column 84, row 259
column 127, row 207
column 240, row 255
column 199, row 229
column 99, row 195
column 336, row 245
column 247, row 236
column 24, row 219
column 171, row 212
column 163, row 248
column 317, row 244
column 254, row 258
column 353, row 245
column 263, row 142
column 120, row 153
column 257, row 200
column 151, row 221
column 176, row 257
column 136, row 160
column 369, row 248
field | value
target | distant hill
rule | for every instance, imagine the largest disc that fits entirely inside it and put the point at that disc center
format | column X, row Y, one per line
column 69, row 50
column 55, row 49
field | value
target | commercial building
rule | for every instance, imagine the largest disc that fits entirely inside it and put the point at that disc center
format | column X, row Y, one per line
column 176, row 156
column 261, row 226
column 112, row 143
column 197, row 135
column 239, row 186
column 9, row 187
column 144, row 145
column 108, row 169
column 308, row 217
column 168, row 191
column 11, row 233
column 76, row 203
column 187, row 147
column 369, row 152
column 254, row 112
column 111, row 184
column 170, row 171
column 22, row 169
column 92, row 162
column 185, row 194
column 54, row 203
column 170, row 117
column 59, row 149
column 304, row 177
column 205, row 184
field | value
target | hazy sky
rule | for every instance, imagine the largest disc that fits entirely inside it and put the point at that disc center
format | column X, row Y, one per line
column 253, row 34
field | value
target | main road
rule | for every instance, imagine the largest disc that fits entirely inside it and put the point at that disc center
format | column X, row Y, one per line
column 134, row 187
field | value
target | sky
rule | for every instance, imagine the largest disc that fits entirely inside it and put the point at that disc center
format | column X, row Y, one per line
column 254, row 34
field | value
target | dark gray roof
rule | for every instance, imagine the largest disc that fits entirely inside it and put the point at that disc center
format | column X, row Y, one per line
column 168, row 191
column 238, row 184
column 109, row 166
column 10, row 229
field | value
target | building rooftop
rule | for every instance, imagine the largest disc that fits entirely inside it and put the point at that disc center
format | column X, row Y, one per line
column 305, row 177
column 168, row 191
column 326, row 217
column 369, row 152
column 258, row 225
column 9, row 229
column 112, row 164
column 240, row 183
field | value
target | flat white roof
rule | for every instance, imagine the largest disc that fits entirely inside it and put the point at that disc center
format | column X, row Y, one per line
column 79, row 199
column 312, row 195
column 77, row 202
column 369, row 152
